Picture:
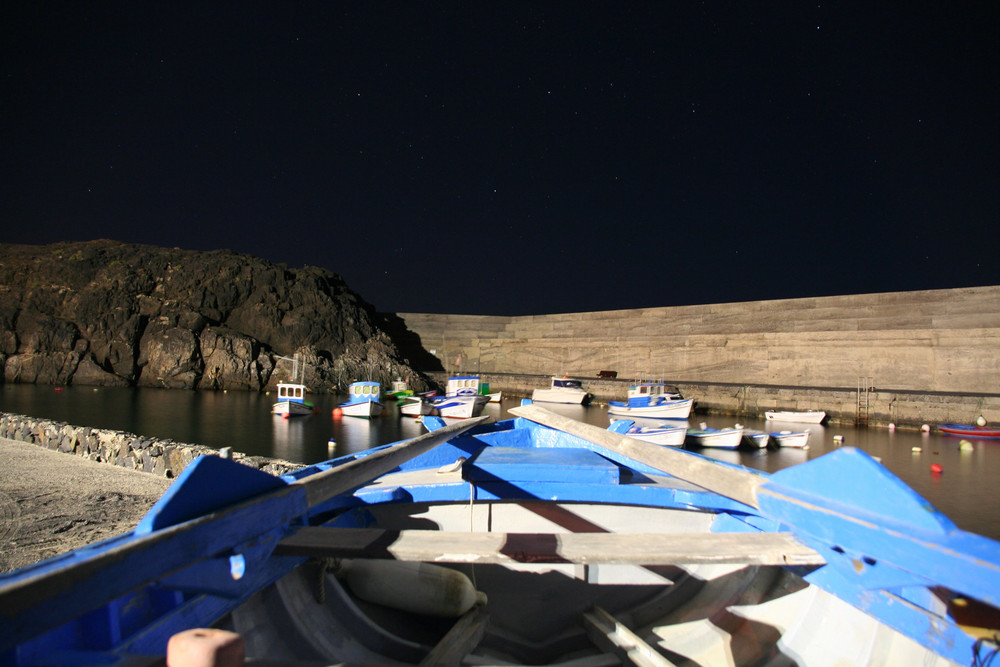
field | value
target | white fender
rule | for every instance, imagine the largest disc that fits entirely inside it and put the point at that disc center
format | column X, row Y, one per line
column 420, row 588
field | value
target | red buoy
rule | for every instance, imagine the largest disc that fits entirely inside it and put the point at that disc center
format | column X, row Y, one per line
column 936, row 468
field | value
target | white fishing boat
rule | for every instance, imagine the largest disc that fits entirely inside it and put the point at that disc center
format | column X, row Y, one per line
column 723, row 438
column 798, row 439
column 415, row 406
column 462, row 399
column 756, row 439
column 667, row 435
column 364, row 400
column 562, row 390
column 652, row 399
column 798, row 417
column 292, row 400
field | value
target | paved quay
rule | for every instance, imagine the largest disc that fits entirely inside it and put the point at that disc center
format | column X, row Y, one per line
column 51, row 503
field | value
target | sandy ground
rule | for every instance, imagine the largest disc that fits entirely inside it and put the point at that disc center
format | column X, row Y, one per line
column 51, row 502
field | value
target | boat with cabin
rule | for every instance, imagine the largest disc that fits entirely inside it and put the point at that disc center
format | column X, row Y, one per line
column 652, row 399
column 462, row 399
column 562, row 390
column 364, row 399
column 399, row 389
column 533, row 540
column 291, row 401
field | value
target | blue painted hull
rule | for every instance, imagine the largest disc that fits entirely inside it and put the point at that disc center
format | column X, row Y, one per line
column 226, row 548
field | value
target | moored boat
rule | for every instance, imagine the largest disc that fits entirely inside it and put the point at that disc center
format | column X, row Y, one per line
column 415, row 406
column 723, row 438
column 291, row 401
column 563, row 541
column 462, row 399
column 651, row 399
column 363, row 400
column 665, row 434
column 755, row 439
column 399, row 389
column 798, row 417
column 562, row 390
column 970, row 430
column 796, row 439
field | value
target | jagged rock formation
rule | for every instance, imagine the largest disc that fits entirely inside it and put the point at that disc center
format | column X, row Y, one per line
column 110, row 313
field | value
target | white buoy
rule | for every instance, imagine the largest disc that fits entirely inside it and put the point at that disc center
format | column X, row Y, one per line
column 916, row 449
column 981, row 421
column 965, row 446
column 838, row 439
column 925, row 428
column 420, row 588
column 892, row 427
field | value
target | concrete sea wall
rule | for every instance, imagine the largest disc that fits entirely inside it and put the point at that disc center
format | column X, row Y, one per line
column 159, row 457
column 931, row 355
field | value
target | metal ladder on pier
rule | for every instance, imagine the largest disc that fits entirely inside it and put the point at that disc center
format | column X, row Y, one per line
column 866, row 387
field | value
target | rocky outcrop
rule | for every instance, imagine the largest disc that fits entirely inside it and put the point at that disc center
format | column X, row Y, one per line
column 110, row 313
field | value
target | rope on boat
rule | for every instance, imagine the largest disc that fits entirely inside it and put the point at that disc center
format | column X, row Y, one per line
column 325, row 565
column 987, row 659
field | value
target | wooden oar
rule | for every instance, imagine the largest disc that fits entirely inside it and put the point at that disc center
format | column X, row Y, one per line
column 738, row 485
column 57, row 593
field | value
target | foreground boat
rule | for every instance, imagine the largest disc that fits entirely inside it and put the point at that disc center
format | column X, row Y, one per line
column 800, row 417
column 970, row 430
column 584, row 545
column 562, row 390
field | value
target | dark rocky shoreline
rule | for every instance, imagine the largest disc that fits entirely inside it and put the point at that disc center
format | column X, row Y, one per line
column 115, row 314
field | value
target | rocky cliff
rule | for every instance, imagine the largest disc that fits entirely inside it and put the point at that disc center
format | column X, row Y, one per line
column 110, row 313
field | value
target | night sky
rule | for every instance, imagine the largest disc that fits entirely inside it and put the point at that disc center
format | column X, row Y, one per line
column 518, row 158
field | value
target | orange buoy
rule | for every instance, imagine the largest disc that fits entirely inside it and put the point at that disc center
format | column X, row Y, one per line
column 337, row 412
column 936, row 468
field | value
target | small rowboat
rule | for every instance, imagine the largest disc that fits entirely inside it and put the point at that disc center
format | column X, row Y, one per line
column 665, row 434
column 755, row 439
column 798, row 417
column 970, row 430
column 723, row 438
column 533, row 540
column 796, row 439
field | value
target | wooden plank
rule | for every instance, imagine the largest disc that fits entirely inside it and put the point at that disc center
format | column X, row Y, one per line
column 738, row 485
column 329, row 483
column 585, row 548
column 463, row 637
column 608, row 633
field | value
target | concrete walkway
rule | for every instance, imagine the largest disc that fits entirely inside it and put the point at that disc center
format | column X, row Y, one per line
column 51, row 503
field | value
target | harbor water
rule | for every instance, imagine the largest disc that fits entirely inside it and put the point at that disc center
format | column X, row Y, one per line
column 965, row 489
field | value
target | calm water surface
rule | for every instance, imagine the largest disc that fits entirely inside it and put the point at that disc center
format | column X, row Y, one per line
column 966, row 490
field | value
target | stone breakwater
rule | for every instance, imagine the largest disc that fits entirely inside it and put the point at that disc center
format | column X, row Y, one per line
column 165, row 458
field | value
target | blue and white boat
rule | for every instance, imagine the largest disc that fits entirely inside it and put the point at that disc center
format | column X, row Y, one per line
column 534, row 540
column 462, row 399
column 665, row 433
column 364, row 399
column 651, row 399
